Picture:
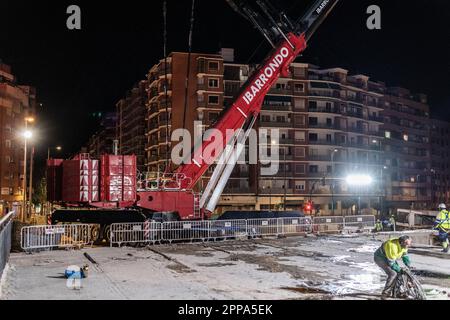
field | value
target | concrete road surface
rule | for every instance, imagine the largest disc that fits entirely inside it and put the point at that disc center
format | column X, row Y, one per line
column 332, row 267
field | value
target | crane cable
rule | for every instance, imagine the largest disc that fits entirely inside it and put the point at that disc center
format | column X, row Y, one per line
column 167, row 162
column 188, row 71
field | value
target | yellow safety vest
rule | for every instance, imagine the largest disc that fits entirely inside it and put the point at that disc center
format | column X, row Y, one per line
column 393, row 250
column 443, row 220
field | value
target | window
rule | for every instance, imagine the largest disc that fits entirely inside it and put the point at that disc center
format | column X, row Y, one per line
column 299, row 120
column 300, row 185
column 299, row 135
column 213, row 66
column 299, row 87
column 265, row 118
column 299, row 104
column 300, row 169
column 213, row 99
column 7, row 143
column 300, row 152
column 212, row 116
column 313, row 121
column 313, row 137
column 312, row 105
column 313, row 169
column 405, row 137
column 213, row 83
column 387, row 134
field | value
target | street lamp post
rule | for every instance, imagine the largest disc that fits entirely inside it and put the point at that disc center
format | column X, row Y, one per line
column 26, row 135
column 332, row 183
column 383, row 190
column 58, row 148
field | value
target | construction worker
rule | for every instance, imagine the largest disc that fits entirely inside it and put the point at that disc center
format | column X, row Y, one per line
column 442, row 224
column 378, row 226
column 386, row 258
column 392, row 222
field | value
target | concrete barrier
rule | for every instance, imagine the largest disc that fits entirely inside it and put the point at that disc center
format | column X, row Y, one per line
column 424, row 237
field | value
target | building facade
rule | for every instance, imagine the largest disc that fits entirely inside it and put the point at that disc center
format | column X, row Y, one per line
column 131, row 124
column 102, row 141
column 17, row 102
column 440, row 162
column 193, row 93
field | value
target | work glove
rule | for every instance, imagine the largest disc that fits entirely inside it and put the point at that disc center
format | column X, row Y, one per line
column 396, row 267
column 407, row 261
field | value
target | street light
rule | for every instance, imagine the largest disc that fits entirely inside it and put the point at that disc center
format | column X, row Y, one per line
column 274, row 143
column 383, row 190
column 332, row 176
column 359, row 180
column 57, row 148
column 26, row 134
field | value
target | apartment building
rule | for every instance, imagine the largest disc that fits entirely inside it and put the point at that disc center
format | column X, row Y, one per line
column 440, row 162
column 102, row 141
column 329, row 126
column 193, row 92
column 131, row 124
column 17, row 102
column 407, row 149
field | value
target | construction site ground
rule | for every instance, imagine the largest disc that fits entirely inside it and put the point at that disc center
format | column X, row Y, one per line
column 324, row 267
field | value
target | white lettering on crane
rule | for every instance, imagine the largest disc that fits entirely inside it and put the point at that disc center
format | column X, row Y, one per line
column 266, row 75
column 322, row 5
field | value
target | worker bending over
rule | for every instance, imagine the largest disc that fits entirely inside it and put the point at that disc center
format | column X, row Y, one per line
column 386, row 258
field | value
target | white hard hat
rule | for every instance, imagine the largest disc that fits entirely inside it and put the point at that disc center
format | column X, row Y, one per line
column 442, row 206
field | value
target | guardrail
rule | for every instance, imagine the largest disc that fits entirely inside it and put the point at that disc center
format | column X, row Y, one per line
column 5, row 239
column 151, row 232
column 54, row 236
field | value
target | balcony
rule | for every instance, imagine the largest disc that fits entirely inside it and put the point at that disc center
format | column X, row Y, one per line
column 325, row 126
column 359, row 115
column 275, row 124
column 276, row 107
column 325, row 110
column 285, row 92
column 324, row 142
column 325, row 94
column 376, row 119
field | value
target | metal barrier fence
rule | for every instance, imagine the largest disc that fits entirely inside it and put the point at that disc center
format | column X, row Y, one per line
column 328, row 224
column 6, row 224
column 151, row 232
column 359, row 223
column 51, row 236
column 295, row 225
column 138, row 232
column 262, row 227
column 225, row 229
column 185, row 230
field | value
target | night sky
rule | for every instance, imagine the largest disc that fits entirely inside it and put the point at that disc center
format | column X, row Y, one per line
column 80, row 72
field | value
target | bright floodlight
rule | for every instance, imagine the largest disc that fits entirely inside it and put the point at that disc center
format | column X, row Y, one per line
column 359, row 180
column 27, row 134
column 58, row 148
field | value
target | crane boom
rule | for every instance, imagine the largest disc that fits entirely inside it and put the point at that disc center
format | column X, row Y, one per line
column 248, row 102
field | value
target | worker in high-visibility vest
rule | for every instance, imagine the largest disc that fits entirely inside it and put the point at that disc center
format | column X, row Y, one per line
column 386, row 258
column 442, row 224
column 378, row 226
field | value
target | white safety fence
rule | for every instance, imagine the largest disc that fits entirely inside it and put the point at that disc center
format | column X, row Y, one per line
column 226, row 229
column 262, row 227
column 289, row 226
column 151, row 232
column 54, row 236
column 328, row 224
column 146, row 232
column 185, row 230
column 359, row 223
